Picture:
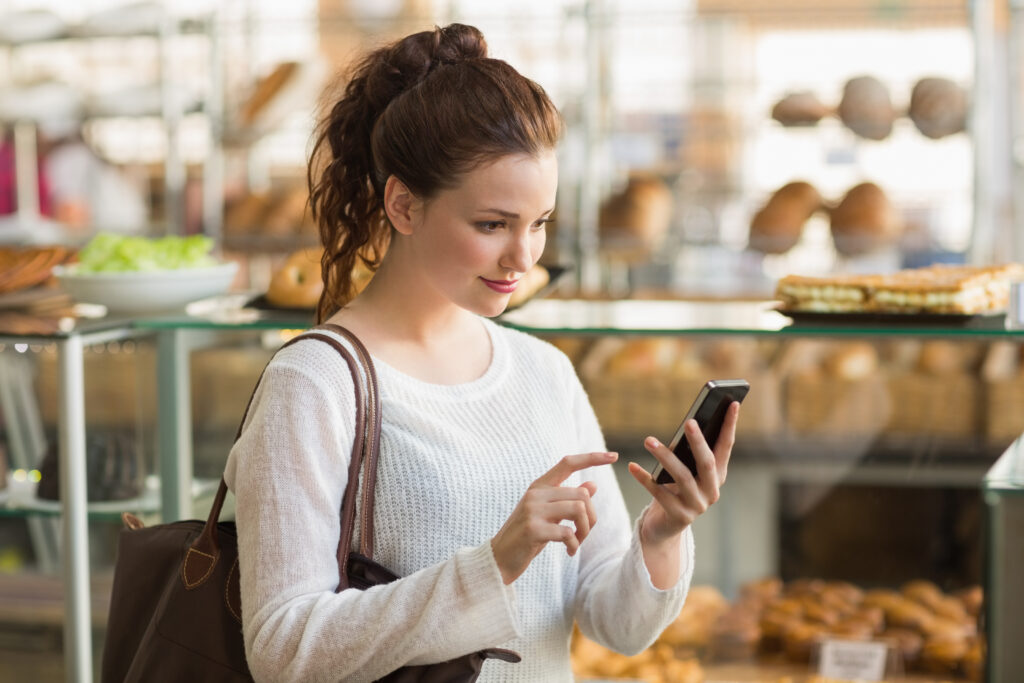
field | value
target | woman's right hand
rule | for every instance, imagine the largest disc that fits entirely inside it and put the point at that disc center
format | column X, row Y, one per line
column 536, row 520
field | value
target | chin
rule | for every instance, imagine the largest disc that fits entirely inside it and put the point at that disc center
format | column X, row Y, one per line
column 487, row 309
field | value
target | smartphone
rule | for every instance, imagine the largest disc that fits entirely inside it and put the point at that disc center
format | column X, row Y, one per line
column 709, row 410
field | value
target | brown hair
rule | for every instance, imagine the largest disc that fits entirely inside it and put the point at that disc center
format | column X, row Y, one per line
column 425, row 109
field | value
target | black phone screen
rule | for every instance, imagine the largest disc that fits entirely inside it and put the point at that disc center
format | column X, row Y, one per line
column 709, row 411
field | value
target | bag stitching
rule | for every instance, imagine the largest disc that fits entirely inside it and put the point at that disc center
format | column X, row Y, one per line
column 227, row 594
column 184, row 569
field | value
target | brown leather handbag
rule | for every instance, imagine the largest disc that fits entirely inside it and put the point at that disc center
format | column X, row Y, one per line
column 175, row 608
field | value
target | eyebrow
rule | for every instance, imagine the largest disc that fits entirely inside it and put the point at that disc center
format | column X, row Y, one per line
column 509, row 214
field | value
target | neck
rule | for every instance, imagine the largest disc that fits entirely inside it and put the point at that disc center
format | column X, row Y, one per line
column 405, row 307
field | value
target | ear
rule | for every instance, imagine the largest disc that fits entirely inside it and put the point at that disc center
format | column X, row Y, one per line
column 401, row 205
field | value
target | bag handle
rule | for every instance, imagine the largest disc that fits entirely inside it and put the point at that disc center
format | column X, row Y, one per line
column 203, row 554
column 369, row 454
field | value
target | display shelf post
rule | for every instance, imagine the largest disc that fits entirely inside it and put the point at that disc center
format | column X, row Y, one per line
column 74, row 527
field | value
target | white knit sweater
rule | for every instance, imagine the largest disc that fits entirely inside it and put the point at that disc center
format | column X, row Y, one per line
column 454, row 462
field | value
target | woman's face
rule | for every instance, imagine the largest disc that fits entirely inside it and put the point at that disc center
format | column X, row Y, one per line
column 478, row 239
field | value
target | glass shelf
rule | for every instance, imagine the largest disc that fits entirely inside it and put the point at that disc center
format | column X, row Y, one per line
column 642, row 317
column 110, row 510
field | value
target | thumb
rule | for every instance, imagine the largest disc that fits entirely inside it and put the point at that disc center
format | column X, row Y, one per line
column 590, row 486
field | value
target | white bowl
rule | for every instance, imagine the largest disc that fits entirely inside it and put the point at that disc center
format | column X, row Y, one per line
column 149, row 291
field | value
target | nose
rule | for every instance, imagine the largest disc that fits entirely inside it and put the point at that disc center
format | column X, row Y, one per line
column 518, row 254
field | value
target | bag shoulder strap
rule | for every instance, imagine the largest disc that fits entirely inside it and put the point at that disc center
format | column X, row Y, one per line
column 364, row 455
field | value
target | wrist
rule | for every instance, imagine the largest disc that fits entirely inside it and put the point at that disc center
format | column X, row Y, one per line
column 658, row 540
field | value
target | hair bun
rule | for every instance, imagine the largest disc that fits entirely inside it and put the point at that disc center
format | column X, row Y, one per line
column 397, row 68
column 456, row 43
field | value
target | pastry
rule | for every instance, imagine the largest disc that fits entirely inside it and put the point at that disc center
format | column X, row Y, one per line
column 904, row 641
column 799, row 109
column 864, row 221
column 644, row 357
column 972, row 599
column 800, row 639
column 640, row 213
column 942, row 655
column 298, row 283
column 934, row 289
column 735, row 636
column 938, row 357
column 874, row 616
column 778, row 225
column 908, row 614
column 762, row 589
column 852, row 629
column 938, row 107
column 866, row 108
column 852, row 361
column 973, row 663
column 774, row 625
column 924, row 592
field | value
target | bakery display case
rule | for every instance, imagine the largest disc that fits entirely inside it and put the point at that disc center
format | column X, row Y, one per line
column 853, row 507
column 854, row 510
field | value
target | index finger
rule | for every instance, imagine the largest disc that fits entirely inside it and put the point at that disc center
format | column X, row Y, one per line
column 726, row 440
column 574, row 463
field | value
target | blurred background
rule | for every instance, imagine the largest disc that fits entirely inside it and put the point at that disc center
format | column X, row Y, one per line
column 685, row 118
column 711, row 148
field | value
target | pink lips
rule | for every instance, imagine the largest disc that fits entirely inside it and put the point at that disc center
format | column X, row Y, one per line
column 501, row 286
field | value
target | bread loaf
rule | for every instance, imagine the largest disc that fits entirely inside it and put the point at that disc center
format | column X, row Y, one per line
column 641, row 212
column 866, row 108
column 799, row 109
column 938, row 107
column 864, row 221
column 777, row 226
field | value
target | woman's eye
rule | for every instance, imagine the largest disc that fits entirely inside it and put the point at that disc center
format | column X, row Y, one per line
column 539, row 225
column 490, row 226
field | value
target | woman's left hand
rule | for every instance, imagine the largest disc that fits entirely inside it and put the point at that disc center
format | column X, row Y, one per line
column 676, row 506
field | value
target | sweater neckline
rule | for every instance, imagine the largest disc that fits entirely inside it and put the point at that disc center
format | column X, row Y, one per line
column 393, row 378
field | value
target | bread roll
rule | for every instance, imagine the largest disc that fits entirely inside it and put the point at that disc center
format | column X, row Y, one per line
column 298, row 282
column 853, row 361
column 941, row 357
column 799, row 109
column 866, row 108
column 864, row 221
column 646, row 356
column 641, row 212
column 777, row 226
column 938, row 107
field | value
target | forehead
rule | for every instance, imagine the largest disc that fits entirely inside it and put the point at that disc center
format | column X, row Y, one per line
column 514, row 178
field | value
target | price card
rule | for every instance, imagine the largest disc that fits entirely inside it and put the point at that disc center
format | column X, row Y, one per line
column 852, row 660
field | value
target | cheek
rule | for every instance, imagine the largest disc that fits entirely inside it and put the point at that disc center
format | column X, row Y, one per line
column 469, row 250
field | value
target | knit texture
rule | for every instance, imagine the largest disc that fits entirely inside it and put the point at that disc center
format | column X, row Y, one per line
column 454, row 462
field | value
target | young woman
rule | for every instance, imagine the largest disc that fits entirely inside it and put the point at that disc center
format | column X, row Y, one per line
column 495, row 501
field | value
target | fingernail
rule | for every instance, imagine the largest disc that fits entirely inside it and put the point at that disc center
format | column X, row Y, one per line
column 611, row 456
column 652, row 442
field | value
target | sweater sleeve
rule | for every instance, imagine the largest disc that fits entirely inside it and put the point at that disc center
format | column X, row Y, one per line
column 617, row 604
column 288, row 471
